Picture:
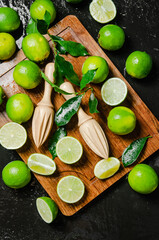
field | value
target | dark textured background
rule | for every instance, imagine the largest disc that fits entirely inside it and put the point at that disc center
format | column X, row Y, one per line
column 119, row 213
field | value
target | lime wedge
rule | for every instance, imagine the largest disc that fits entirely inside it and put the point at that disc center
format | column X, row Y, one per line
column 41, row 164
column 114, row 91
column 106, row 168
column 47, row 208
column 69, row 150
column 103, row 11
column 70, row 189
column 13, row 136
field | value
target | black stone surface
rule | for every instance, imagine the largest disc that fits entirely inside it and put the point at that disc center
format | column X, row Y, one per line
column 119, row 213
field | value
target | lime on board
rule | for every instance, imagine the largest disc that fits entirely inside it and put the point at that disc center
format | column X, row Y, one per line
column 138, row 64
column 114, row 91
column 9, row 19
column 111, row 37
column 12, row 136
column 41, row 164
column 47, row 209
column 99, row 63
column 69, row 150
column 27, row 74
column 16, row 174
column 143, row 179
column 1, row 95
column 70, row 189
column 102, row 11
column 19, row 108
column 121, row 120
column 7, row 46
column 36, row 47
column 39, row 7
column 106, row 168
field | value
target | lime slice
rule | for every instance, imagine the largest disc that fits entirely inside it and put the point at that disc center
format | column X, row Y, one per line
column 103, row 11
column 47, row 208
column 41, row 164
column 69, row 150
column 13, row 136
column 106, row 168
column 70, row 189
column 114, row 91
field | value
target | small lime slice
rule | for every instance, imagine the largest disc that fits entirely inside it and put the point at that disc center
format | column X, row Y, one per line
column 114, row 91
column 47, row 208
column 69, row 150
column 41, row 164
column 103, row 11
column 13, row 136
column 106, row 168
column 70, row 189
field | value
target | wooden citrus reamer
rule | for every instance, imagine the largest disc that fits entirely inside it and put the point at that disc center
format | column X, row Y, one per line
column 89, row 128
column 44, row 112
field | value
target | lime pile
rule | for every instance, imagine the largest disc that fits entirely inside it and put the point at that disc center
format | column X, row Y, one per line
column 99, row 63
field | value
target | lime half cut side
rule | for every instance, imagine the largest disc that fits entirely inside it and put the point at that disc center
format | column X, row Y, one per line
column 114, row 91
column 70, row 189
column 41, row 164
column 13, row 136
column 47, row 208
column 103, row 11
column 69, row 150
column 106, row 168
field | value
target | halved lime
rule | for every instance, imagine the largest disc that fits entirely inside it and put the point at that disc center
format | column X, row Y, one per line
column 70, row 189
column 69, row 150
column 13, row 136
column 103, row 11
column 106, row 168
column 47, row 208
column 114, row 91
column 41, row 164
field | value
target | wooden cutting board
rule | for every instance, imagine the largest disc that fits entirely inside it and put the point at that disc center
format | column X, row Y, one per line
column 71, row 29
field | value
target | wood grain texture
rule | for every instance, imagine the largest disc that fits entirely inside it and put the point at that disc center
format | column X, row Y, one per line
column 71, row 29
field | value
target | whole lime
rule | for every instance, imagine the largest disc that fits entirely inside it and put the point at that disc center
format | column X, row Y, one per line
column 7, row 46
column 19, row 108
column 74, row 1
column 99, row 63
column 16, row 174
column 111, row 37
column 9, row 19
column 38, row 8
column 27, row 74
column 138, row 64
column 36, row 47
column 1, row 95
column 143, row 179
column 121, row 120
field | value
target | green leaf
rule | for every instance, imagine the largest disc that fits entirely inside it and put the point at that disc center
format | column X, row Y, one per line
column 31, row 27
column 43, row 25
column 73, row 48
column 93, row 103
column 66, row 69
column 56, row 88
column 132, row 152
column 60, row 132
column 59, row 48
column 87, row 78
column 57, row 74
column 67, row 110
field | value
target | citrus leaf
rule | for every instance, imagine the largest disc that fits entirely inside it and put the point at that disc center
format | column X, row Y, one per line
column 56, row 88
column 132, row 152
column 66, row 70
column 67, row 110
column 87, row 78
column 60, row 132
column 57, row 74
column 31, row 27
column 43, row 25
column 59, row 48
column 93, row 103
